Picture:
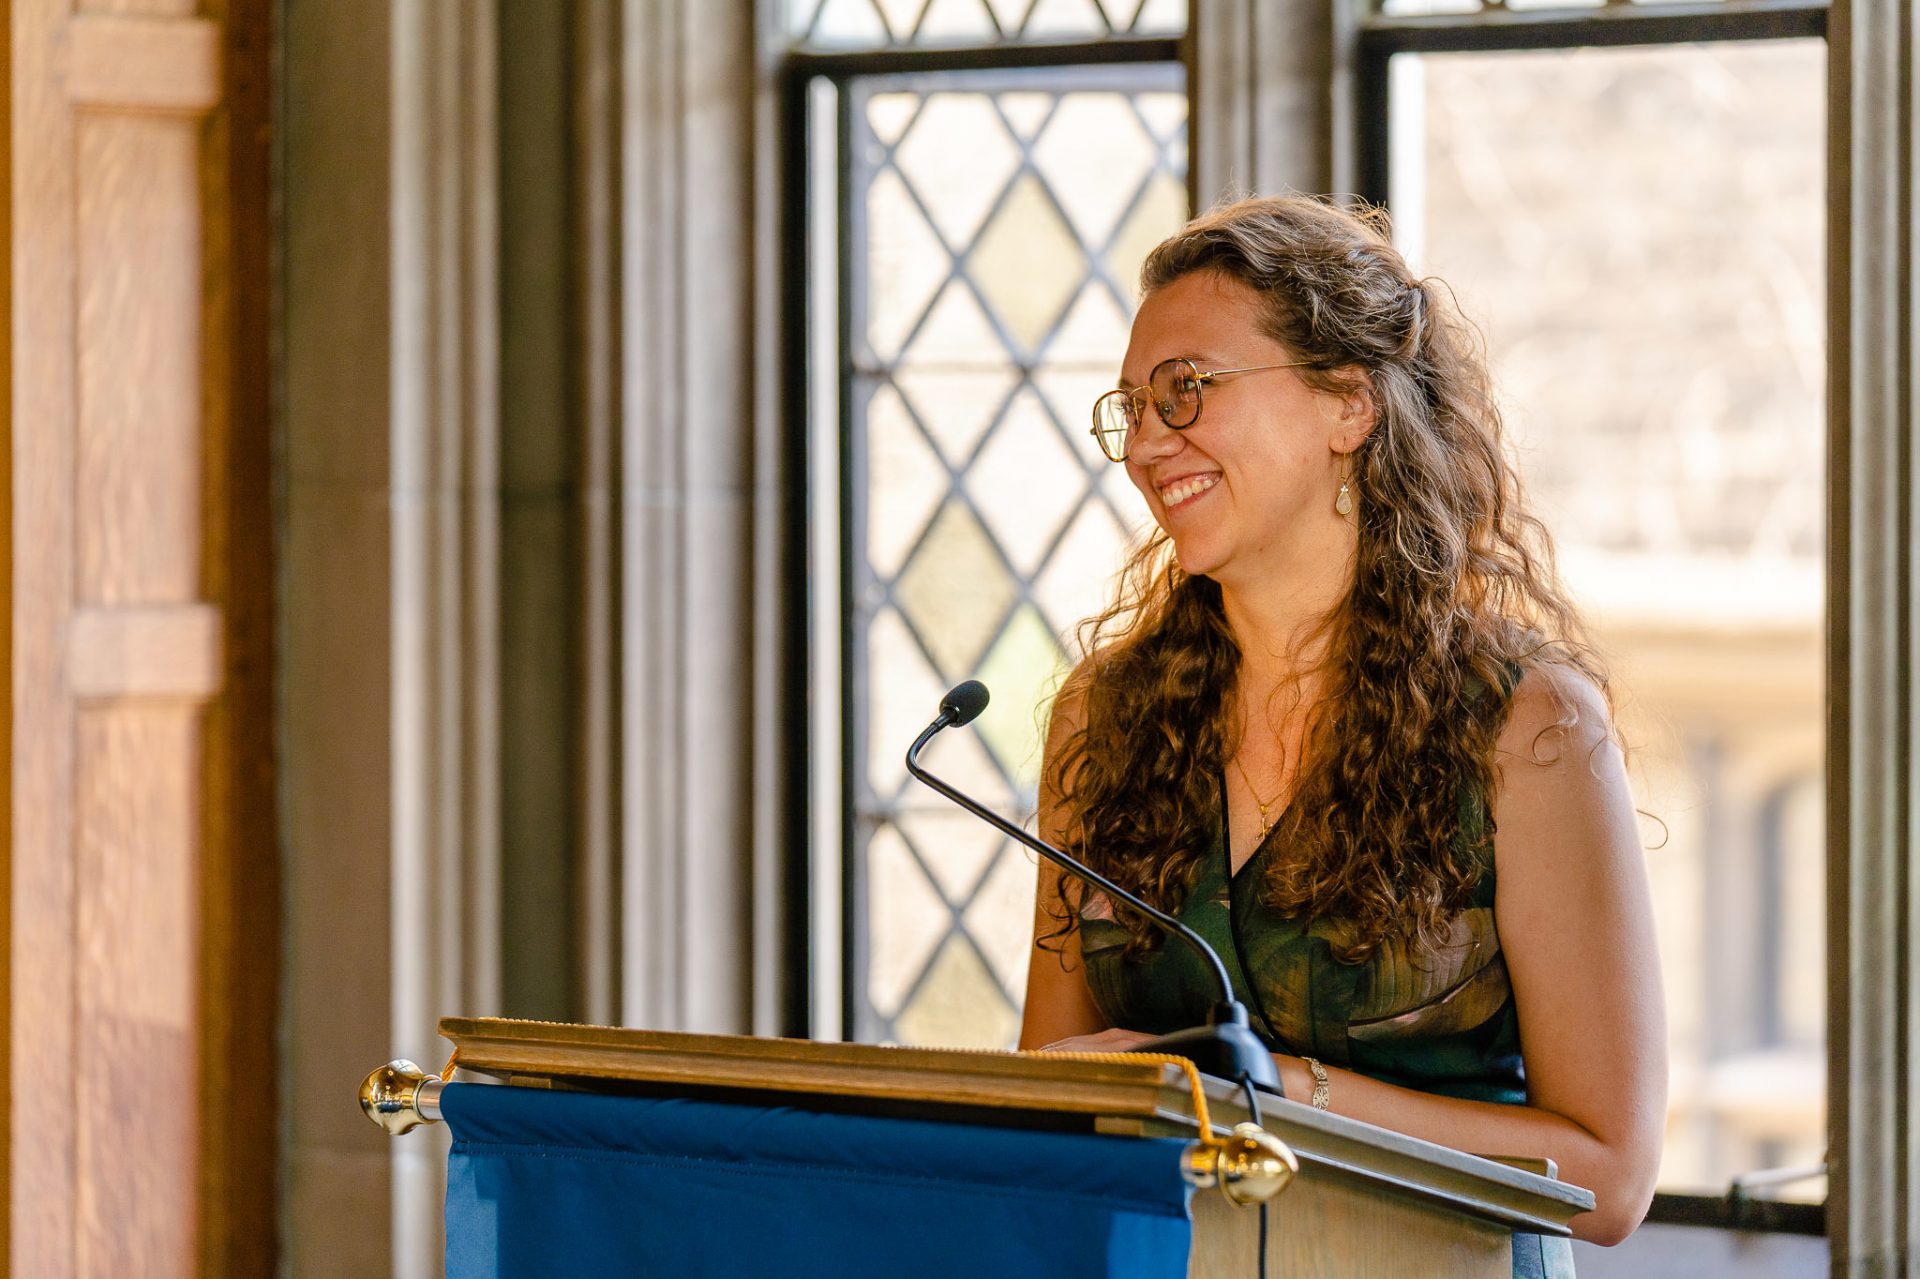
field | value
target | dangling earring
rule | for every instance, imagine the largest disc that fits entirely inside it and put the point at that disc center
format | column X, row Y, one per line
column 1343, row 501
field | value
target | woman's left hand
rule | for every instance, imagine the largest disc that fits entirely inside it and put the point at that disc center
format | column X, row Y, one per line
column 1113, row 1040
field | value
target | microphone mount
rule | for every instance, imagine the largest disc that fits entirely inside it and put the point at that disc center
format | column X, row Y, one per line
column 1225, row 1046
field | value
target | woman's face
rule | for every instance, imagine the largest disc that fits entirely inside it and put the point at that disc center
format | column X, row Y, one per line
column 1247, row 491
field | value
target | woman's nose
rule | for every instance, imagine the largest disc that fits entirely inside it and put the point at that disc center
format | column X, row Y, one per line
column 1153, row 439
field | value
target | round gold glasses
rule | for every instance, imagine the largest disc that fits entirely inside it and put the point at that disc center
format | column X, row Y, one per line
column 1175, row 387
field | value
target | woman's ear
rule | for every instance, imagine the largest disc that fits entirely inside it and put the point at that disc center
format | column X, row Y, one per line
column 1359, row 409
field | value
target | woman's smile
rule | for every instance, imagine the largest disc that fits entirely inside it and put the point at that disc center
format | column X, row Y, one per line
column 1183, row 491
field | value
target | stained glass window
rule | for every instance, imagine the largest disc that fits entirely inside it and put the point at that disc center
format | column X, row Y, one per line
column 996, row 224
column 842, row 24
column 1641, row 234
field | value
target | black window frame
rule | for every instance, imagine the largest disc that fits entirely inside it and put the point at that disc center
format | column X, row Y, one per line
column 1617, row 25
column 800, row 70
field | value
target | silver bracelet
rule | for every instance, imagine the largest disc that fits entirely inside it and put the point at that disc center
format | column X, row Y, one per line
column 1319, row 1083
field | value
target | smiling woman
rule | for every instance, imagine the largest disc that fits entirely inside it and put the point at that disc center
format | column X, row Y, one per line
column 1342, row 721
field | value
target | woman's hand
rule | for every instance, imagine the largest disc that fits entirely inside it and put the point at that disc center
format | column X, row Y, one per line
column 1113, row 1040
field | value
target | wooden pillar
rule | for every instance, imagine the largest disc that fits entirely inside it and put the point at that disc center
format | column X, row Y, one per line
column 140, row 806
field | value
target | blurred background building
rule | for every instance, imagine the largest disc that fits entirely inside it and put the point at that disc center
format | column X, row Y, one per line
column 496, row 488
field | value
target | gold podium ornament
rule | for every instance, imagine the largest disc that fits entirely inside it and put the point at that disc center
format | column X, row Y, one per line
column 399, row 1097
column 1251, row 1166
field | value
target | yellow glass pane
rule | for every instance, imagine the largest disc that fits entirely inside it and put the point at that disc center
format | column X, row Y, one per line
column 1027, row 263
column 956, row 591
column 1023, row 671
column 1162, row 211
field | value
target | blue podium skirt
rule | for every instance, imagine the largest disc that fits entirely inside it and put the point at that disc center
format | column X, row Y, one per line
column 554, row 1183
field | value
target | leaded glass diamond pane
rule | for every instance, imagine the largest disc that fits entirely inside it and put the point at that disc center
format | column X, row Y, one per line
column 849, row 23
column 841, row 24
column 958, row 1003
column 955, row 591
column 900, row 686
column 1094, row 155
column 986, row 319
column 1065, row 20
column 901, row 938
column 956, row 848
column 957, row 22
column 1161, row 17
column 955, row 333
column 1027, row 262
column 1001, row 917
column 902, row 251
column 1024, row 668
column 1162, row 202
column 957, row 196
column 905, row 482
column 1026, row 482
column 956, row 405
column 1027, row 112
column 1078, row 580
column 1094, row 329
column 900, row 17
column 889, row 114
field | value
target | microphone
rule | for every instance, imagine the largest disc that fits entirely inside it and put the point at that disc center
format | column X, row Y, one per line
column 1225, row 1046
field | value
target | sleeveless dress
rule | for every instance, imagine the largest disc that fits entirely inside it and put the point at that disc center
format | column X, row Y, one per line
column 1443, row 1023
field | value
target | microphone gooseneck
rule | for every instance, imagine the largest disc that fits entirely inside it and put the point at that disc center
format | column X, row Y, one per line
column 1226, row 1046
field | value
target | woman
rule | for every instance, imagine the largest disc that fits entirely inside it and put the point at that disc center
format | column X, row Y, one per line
column 1341, row 722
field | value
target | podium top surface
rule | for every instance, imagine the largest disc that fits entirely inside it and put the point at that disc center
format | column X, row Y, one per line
column 1118, row 1095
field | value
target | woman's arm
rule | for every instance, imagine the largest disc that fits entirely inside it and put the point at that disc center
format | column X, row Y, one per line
column 1059, row 1005
column 1576, row 927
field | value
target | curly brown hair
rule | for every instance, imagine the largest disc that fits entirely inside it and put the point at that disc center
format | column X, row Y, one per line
column 1454, row 596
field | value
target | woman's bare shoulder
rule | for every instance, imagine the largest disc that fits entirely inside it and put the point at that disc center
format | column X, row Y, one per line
column 1554, row 705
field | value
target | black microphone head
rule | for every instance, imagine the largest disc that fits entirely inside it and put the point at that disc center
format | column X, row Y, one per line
column 964, row 702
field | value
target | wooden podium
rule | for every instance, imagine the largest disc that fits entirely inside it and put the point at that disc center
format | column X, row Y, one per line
column 1365, row 1201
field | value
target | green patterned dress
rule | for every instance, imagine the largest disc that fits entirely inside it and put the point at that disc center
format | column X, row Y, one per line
column 1442, row 1023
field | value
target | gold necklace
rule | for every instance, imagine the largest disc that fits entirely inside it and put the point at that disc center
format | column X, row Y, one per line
column 1266, row 823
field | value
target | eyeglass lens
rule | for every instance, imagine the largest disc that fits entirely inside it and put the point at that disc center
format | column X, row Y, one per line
column 1175, row 387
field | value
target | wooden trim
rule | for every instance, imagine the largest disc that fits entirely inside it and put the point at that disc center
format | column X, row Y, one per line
column 164, row 651
column 41, row 1147
column 8, row 266
column 1116, row 1095
column 143, row 64
column 240, row 1179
